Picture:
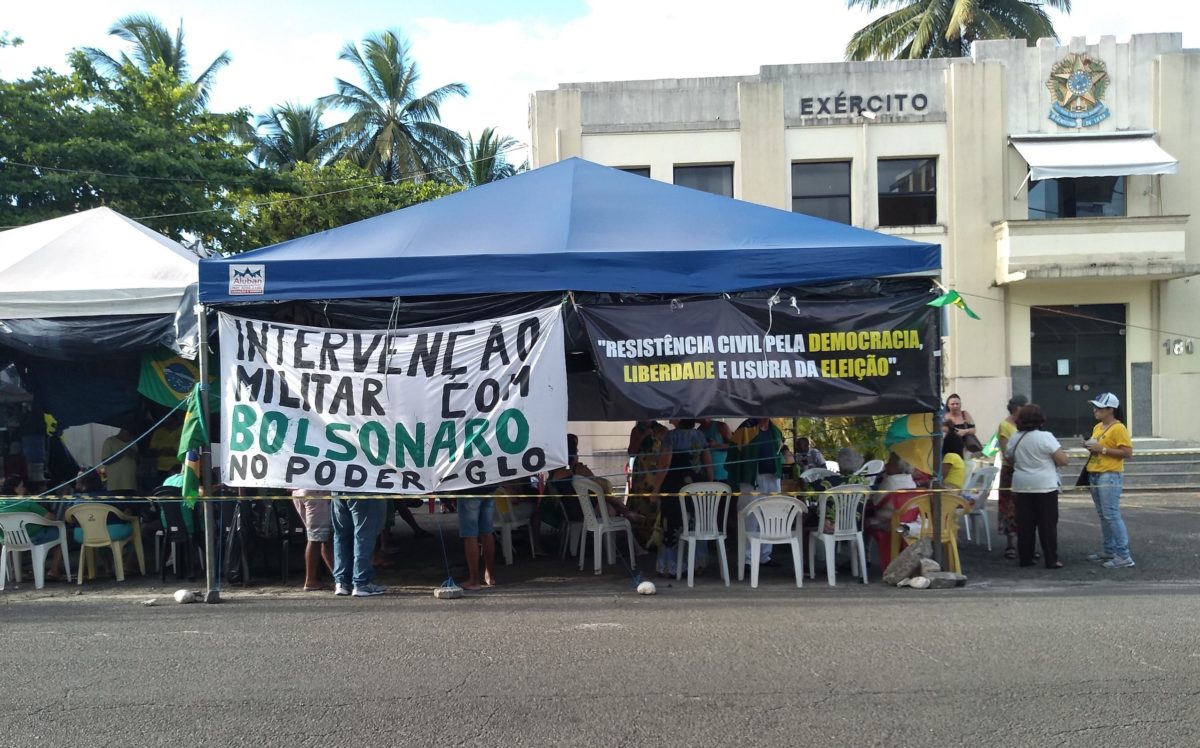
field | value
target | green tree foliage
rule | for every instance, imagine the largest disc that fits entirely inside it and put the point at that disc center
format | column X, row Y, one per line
column 292, row 134
column 864, row 433
column 132, row 131
column 947, row 28
column 393, row 131
column 486, row 160
column 321, row 198
column 75, row 142
column 10, row 41
column 153, row 48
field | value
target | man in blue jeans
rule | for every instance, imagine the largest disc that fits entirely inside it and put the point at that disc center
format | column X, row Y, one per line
column 356, row 526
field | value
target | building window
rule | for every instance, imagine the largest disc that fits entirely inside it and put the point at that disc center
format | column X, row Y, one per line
column 717, row 178
column 641, row 171
column 907, row 191
column 822, row 189
column 1083, row 197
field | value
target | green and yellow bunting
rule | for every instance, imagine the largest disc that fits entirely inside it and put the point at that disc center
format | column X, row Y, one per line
column 952, row 298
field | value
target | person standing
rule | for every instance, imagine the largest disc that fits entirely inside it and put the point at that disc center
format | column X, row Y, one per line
column 1035, row 456
column 1007, row 508
column 1109, row 446
column 689, row 462
column 649, row 469
column 164, row 448
column 316, row 514
column 719, row 438
column 960, row 422
column 760, row 469
column 356, row 525
column 120, row 475
column 477, row 531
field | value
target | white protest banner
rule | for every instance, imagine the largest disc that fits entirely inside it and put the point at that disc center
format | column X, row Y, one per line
column 407, row 410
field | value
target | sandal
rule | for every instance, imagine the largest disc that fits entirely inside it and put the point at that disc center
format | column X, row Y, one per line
column 1010, row 553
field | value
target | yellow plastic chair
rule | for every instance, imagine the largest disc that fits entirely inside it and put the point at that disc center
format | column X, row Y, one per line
column 920, row 502
column 952, row 508
column 92, row 519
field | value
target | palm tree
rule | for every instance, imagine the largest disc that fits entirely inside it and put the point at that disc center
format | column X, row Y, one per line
column 947, row 28
column 485, row 160
column 154, row 45
column 291, row 134
column 391, row 130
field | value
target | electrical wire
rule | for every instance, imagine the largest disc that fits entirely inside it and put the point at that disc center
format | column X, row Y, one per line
column 1077, row 315
column 265, row 203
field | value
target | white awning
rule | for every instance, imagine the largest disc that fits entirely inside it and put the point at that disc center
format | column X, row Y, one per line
column 1051, row 158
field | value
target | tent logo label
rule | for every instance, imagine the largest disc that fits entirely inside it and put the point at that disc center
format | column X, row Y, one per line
column 247, row 280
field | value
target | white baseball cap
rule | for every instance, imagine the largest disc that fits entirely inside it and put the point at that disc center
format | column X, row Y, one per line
column 1106, row 400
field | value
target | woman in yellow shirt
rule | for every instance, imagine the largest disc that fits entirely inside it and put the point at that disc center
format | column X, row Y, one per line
column 954, row 470
column 1109, row 446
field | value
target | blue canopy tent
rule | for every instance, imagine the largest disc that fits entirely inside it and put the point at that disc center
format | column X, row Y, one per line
column 572, row 225
column 603, row 234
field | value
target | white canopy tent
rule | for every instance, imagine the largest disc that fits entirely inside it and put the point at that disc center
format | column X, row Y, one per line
column 98, row 263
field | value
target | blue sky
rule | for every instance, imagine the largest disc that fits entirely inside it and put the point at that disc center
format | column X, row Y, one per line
column 502, row 49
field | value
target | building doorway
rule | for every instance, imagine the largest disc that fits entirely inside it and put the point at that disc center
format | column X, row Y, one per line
column 1077, row 352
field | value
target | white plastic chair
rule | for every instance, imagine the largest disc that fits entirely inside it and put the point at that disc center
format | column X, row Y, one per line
column 597, row 523
column 812, row 475
column 709, row 521
column 779, row 521
column 977, row 490
column 849, row 501
column 870, row 467
column 505, row 522
column 16, row 539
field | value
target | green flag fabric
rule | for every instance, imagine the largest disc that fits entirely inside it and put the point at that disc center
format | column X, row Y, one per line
column 954, row 299
column 166, row 378
column 192, row 437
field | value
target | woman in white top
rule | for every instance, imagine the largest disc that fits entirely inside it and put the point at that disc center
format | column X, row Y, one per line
column 1035, row 456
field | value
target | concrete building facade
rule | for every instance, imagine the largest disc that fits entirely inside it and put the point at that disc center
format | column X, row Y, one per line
column 1058, row 179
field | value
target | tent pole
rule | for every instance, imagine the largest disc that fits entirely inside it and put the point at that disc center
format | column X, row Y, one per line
column 212, row 591
column 938, row 432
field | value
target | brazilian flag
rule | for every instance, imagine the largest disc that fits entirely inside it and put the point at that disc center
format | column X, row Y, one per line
column 192, row 437
column 952, row 298
column 167, row 378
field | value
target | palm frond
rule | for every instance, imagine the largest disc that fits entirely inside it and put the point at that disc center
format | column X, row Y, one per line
column 391, row 129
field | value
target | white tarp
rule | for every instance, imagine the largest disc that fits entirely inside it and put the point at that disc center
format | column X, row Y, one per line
column 1052, row 158
column 407, row 410
column 91, row 264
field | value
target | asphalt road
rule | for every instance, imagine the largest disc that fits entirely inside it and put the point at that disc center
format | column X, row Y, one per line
column 555, row 657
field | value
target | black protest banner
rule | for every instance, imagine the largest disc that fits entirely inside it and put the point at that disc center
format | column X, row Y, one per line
column 801, row 354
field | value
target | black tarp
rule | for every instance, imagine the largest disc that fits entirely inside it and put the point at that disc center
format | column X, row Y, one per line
column 847, row 305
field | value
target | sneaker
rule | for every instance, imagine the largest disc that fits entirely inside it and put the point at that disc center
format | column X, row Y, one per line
column 368, row 590
column 341, row 589
column 1119, row 563
column 1102, row 556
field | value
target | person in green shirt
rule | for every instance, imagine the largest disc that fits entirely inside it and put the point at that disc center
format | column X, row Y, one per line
column 12, row 491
